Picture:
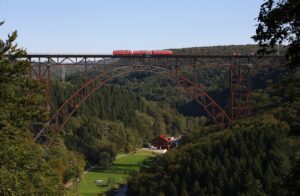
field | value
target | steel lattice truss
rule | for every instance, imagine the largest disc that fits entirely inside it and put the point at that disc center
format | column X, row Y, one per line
column 168, row 66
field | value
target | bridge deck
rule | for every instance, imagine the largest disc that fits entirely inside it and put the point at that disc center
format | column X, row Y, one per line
column 143, row 56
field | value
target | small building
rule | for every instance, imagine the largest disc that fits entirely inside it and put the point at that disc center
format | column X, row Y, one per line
column 161, row 142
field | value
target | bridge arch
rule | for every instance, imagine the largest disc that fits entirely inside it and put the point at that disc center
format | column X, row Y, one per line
column 69, row 107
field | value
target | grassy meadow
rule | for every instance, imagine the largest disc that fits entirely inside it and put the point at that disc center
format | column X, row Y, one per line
column 117, row 174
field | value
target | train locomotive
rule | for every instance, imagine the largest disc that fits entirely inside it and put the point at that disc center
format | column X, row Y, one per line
column 141, row 52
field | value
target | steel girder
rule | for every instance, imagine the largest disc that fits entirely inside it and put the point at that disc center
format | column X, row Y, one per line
column 67, row 109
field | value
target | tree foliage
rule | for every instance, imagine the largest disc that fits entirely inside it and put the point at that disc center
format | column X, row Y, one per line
column 250, row 159
column 279, row 23
column 24, row 169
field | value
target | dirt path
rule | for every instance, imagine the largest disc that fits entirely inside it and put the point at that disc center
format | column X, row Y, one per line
column 69, row 183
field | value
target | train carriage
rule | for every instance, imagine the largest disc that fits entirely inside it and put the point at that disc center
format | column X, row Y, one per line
column 142, row 52
column 122, row 52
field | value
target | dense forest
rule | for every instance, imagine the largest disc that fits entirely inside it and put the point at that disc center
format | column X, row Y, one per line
column 225, row 50
column 126, row 113
column 258, row 155
column 254, row 156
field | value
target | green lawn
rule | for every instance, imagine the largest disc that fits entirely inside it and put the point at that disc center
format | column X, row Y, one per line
column 146, row 152
column 118, row 173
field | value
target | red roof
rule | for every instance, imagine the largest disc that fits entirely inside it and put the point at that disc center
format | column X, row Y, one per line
column 165, row 138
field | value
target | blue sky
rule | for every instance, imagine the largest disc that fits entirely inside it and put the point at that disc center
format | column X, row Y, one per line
column 100, row 26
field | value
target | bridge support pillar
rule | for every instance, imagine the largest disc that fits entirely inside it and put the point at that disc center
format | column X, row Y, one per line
column 63, row 73
column 240, row 90
column 48, row 89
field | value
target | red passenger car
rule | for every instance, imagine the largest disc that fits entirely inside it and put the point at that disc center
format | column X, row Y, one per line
column 122, row 52
column 162, row 52
column 142, row 52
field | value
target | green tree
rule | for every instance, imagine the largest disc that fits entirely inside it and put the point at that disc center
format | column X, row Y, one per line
column 24, row 169
column 159, row 126
column 172, row 190
column 279, row 23
column 196, row 188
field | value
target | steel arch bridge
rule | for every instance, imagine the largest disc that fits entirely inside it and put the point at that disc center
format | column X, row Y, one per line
column 239, row 68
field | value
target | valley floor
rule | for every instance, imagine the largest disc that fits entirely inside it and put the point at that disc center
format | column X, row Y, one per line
column 117, row 174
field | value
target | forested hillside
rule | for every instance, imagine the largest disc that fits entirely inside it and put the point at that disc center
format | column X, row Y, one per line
column 250, row 158
column 116, row 119
column 225, row 50
column 125, row 114
column 254, row 156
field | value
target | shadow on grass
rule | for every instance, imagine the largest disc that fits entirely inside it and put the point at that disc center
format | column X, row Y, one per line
column 103, row 185
column 116, row 170
column 120, row 168
column 125, row 165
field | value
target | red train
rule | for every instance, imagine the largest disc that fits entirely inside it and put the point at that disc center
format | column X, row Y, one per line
column 142, row 52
